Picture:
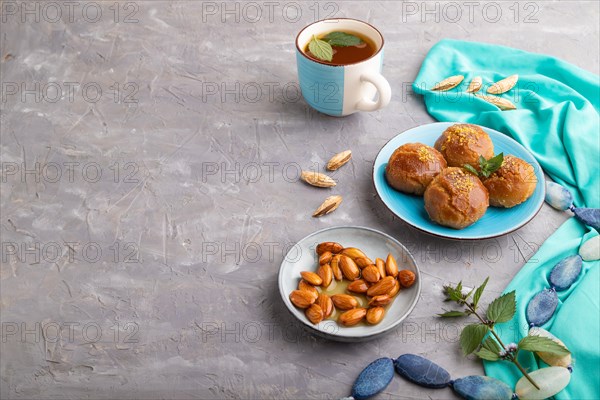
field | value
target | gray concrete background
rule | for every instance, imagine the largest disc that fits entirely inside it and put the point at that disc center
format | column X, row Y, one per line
column 161, row 272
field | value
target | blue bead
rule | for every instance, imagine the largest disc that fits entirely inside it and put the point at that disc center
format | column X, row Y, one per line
column 558, row 196
column 421, row 371
column 482, row 388
column 589, row 216
column 373, row 379
column 566, row 272
column 541, row 307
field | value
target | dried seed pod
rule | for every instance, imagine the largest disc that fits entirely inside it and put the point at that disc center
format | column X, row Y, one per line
column 499, row 102
column 503, row 85
column 349, row 268
column 375, row 315
column 344, row 301
column 317, row 179
column 358, row 286
column 371, row 274
column 475, row 85
column 328, row 206
column 338, row 160
column 391, row 267
column 311, row 278
column 448, row 83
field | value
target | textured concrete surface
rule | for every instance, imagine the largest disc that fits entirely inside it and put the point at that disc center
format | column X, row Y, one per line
column 146, row 224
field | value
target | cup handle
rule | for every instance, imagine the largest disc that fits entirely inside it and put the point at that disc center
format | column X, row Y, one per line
column 382, row 86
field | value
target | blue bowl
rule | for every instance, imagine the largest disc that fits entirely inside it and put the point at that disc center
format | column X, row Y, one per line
column 411, row 209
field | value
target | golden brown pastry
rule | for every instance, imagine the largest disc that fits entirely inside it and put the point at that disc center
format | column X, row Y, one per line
column 456, row 198
column 512, row 183
column 462, row 144
column 412, row 167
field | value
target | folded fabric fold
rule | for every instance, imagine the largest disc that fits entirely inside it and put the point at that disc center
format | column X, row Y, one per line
column 557, row 120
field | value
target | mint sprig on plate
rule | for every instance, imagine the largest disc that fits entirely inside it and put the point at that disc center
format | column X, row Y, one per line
column 323, row 48
column 487, row 167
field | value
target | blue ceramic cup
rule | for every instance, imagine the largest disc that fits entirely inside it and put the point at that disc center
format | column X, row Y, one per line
column 341, row 90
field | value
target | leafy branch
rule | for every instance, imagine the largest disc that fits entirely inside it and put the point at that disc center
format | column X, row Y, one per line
column 482, row 339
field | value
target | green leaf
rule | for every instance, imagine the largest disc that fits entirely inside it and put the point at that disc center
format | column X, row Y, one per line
column 471, row 337
column 490, row 166
column 487, row 355
column 320, row 49
column 472, row 170
column 503, row 308
column 453, row 313
column 540, row 343
column 342, row 39
column 491, row 345
column 452, row 293
column 479, row 291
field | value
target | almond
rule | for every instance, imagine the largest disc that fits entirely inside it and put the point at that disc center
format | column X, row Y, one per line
column 331, row 247
column 344, row 301
column 326, row 304
column 371, row 274
column 317, row 179
column 406, row 278
column 358, row 286
column 449, row 83
column 328, row 206
column 325, row 258
column 303, row 285
column 325, row 274
column 395, row 290
column 499, row 102
column 349, row 268
column 380, row 264
column 339, row 159
column 391, row 267
column 363, row 262
column 504, row 85
column 314, row 313
column 384, row 286
column 375, row 315
column 302, row 298
column 311, row 278
column 335, row 267
column 475, row 85
column 353, row 253
column 381, row 300
column 352, row 317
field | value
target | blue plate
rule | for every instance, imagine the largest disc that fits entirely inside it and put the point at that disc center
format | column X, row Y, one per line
column 411, row 209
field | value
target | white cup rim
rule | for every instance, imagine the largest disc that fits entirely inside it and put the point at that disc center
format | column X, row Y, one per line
column 337, row 19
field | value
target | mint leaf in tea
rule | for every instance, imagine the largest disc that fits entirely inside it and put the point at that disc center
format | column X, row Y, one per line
column 340, row 48
column 342, row 39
